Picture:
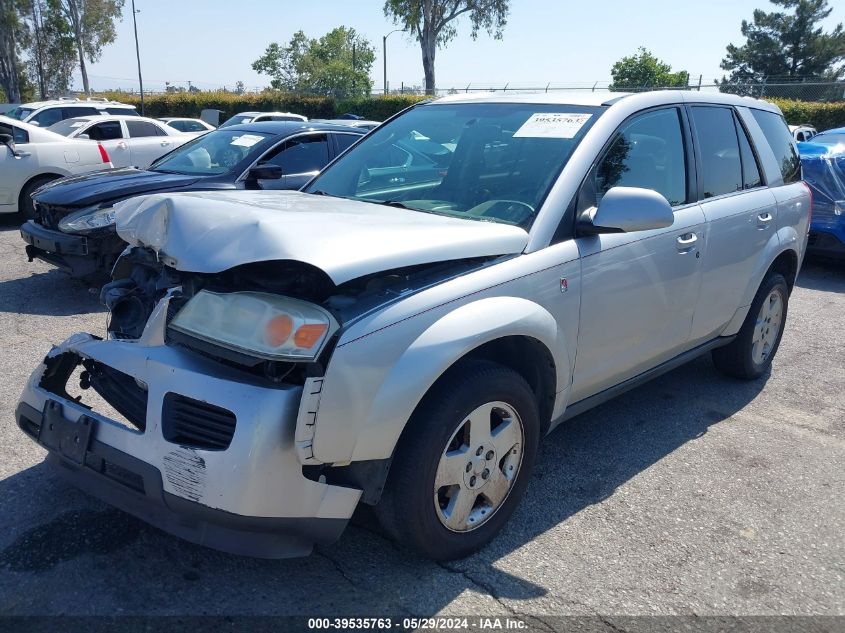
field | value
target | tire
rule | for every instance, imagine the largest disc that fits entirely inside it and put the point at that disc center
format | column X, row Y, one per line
column 413, row 511
column 25, row 205
column 740, row 358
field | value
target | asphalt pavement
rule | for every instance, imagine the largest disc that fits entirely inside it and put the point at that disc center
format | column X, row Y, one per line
column 694, row 494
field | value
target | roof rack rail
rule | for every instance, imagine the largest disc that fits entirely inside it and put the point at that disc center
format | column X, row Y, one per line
column 98, row 99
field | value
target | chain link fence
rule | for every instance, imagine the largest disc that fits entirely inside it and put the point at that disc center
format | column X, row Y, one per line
column 803, row 90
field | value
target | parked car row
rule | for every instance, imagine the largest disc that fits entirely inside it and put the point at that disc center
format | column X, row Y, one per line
column 405, row 329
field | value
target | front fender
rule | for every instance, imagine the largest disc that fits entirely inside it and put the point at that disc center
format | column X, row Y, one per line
column 374, row 383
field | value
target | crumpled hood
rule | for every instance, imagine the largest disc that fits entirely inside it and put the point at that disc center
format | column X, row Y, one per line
column 210, row 232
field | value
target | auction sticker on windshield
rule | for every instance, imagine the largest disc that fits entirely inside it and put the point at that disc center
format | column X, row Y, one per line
column 552, row 125
column 246, row 140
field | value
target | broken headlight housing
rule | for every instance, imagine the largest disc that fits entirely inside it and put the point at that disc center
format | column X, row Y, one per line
column 259, row 324
column 87, row 220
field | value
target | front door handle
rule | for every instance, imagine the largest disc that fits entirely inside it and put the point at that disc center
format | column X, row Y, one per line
column 165, row 143
column 763, row 219
column 121, row 145
column 686, row 242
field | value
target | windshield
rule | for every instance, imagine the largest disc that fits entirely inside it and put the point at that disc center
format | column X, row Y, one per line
column 211, row 154
column 491, row 161
column 238, row 119
column 19, row 113
column 67, row 127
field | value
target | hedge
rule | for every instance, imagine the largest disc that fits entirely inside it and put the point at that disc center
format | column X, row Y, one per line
column 821, row 115
column 191, row 104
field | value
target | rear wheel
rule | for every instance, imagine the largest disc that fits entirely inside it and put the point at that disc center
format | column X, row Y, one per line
column 750, row 355
column 25, row 205
column 464, row 462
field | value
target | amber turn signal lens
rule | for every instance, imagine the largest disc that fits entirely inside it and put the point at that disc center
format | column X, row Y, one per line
column 308, row 335
column 278, row 330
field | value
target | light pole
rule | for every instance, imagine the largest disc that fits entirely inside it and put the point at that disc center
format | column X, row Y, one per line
column 138, row 56
column 384, row 54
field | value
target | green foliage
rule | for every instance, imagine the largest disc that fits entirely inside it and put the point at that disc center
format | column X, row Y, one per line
column 822, row 116
column 14, row 36
column 314, row 107
column 432, row 23
column 325, row 66
column 52, row 48
column 644, row 70
column 786, row 45
column 92, row 24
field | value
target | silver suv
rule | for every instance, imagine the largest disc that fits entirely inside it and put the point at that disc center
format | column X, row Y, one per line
column 406, row 330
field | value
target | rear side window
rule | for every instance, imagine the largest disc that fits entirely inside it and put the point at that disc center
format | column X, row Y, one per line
column 139, row 129
column 780, row 140
column 344, row 141
column 106, row 131
column 647, row 152
column 123, row 111
column 79, row 111
column 721, row 167
column 750, row 170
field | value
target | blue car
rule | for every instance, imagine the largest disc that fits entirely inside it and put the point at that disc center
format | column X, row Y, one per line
column 823, row 163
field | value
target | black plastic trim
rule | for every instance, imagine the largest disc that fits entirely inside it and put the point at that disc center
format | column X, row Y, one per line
column 135, row 486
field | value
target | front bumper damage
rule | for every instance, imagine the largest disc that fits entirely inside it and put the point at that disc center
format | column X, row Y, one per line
column 77, row 255
column 249, row 498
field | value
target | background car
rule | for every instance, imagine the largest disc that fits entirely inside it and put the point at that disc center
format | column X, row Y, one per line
column 32, row 157
column 74, row 222
column 364, row 124
column 130, row 141
column 258, row 117
column 46, row 113
column 823, row 166
column 802, row 133
column 188, row 126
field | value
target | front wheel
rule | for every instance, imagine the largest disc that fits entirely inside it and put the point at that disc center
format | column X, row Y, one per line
column 750, row 354
column 464, row 462
column 26, row 207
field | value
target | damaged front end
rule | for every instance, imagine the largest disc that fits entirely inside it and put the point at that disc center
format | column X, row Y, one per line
column 199, row 437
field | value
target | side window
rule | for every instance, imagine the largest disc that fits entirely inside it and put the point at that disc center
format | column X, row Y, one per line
column 138, row 129
column 19, row 135
column 123, row 111
column 647, row 152
column 106, row 131
column 344, row 141
column 79, row 111
column 721, row 167
column 302, row 155
column 191, row 126
column 777, row 134
column 46, row 118
column 750, row 170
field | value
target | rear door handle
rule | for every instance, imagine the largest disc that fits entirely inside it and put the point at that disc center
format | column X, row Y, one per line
column 763, row 219
column 165, row 143
column 686, row 242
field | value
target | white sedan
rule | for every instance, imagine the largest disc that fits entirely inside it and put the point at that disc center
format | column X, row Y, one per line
column 31, row 156
column 188, row 126
column 130, row 140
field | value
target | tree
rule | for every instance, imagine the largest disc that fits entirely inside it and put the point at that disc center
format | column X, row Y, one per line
column 337, row 64
column 432, row 23
column 786, row 44
column 51, row 48
column 92, row 25
column 14, row 35
column 644, row 70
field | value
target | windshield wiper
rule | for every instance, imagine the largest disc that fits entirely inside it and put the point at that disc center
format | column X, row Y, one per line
column 395, row 203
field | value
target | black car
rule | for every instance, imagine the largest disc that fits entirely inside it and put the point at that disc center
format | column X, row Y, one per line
column 73, row 227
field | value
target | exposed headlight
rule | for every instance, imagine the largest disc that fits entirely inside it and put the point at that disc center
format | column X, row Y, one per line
column 87, row 220
column 257, row 323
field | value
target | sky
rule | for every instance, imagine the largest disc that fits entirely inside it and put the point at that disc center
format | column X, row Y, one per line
column 213, row 43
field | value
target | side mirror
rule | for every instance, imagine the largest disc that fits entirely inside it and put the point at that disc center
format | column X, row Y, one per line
column 84, row 136
column 626, row 210
column 265, row 172
column 9, row 141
